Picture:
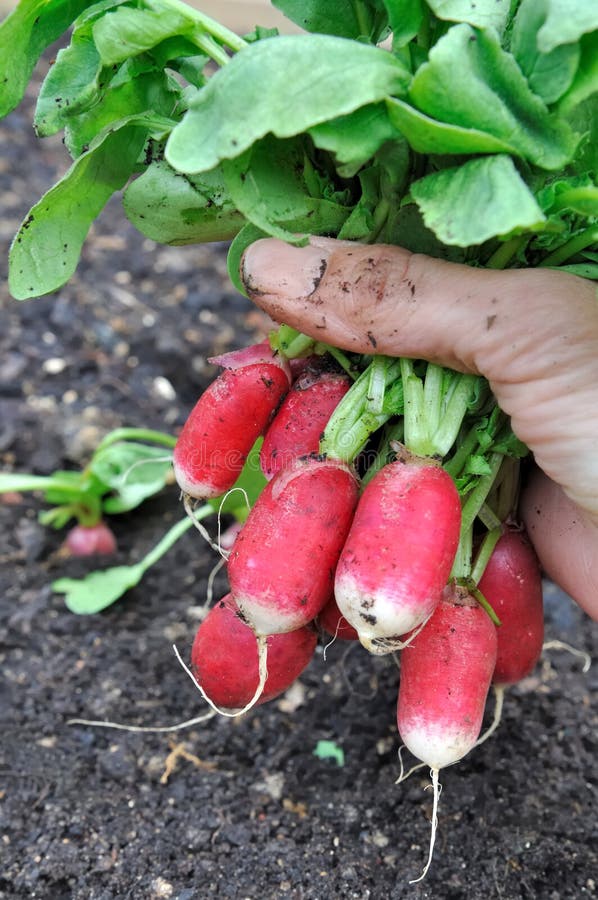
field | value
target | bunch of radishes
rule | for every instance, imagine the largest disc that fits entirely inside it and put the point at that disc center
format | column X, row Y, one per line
column 356, row 534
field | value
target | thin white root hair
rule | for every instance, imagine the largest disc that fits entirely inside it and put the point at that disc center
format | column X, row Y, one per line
column 381, row 646
column 188, row 506
column 561, row 645
column 210, row 585
column 437, row 788
column 146, row 729
column 225, row 497
column 499, row 696
column 402, row 774
column 262, row 648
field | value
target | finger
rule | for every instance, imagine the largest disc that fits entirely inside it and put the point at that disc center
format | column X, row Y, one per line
column 532, row 333
column 565, row 540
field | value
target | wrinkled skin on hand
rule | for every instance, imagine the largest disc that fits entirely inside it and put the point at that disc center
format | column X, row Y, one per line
column 533, row 333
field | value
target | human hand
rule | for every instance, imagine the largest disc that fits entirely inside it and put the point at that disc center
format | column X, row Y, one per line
column 533, row 333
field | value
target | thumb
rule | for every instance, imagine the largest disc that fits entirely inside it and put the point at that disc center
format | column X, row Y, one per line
column 531, row 332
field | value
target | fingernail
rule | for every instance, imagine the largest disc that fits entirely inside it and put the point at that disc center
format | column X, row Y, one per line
column 271, row 267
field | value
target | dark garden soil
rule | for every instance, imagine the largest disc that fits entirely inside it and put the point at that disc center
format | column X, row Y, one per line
column 241, row 808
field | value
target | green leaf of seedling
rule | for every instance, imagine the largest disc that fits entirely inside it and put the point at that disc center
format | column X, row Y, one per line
column 24, row 35
column 478, row 200
column 92, row 594
column 45, row 251
column 471, row 82
column 584, row 270
column 330, row 750
column 283, row 85
column 181, row 209
column 269, row 185
column 133, row 472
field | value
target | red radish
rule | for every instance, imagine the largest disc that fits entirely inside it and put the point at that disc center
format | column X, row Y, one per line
column 445, row 676
column 224, row 658
column 89, row 540
column 281, row 567
column 227, row 420
column 399, row 553
column 512, row 585
column 332, row 620
column 297, row 428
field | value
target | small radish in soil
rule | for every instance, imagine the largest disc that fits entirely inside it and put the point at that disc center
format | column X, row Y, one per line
column 334, row 623
column 398, row 556
column 224, row 658
column 445, row 676
column 227, row 420
column 281, row 567
column 297, row 428
column 89, row 540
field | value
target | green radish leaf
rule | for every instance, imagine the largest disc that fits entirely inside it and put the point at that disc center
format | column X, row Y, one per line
column 585, row 83
column 45, row 252
column 405, row 18
column 268, row 185
column 289, row 84
column 427, row 135
column 355, row 138
column 584, row 270
column 246, row 236
column 566, row 21
column 24, row 35
column 26, row 482
column 481, row 199
column 128, row 31
column 487, row 91
column 96, row 591
column 70, row 85
column 549, row 74
column 176, row 209
column 336, row 17
column 480, row 13
column 120, row 101
column 132, row 471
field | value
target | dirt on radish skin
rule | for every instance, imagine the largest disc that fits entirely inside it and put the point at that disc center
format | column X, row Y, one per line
column 224, row 658
column 399, row 552
column 281, row 567
column 512, row 585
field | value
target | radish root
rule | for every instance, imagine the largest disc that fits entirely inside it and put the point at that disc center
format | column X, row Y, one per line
column 561, row 645
column 189, row 506
column 437, row 788
column 402, row 774
column 382, row 646
column 146, row 729
column 262, row 647
column 499, row 696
